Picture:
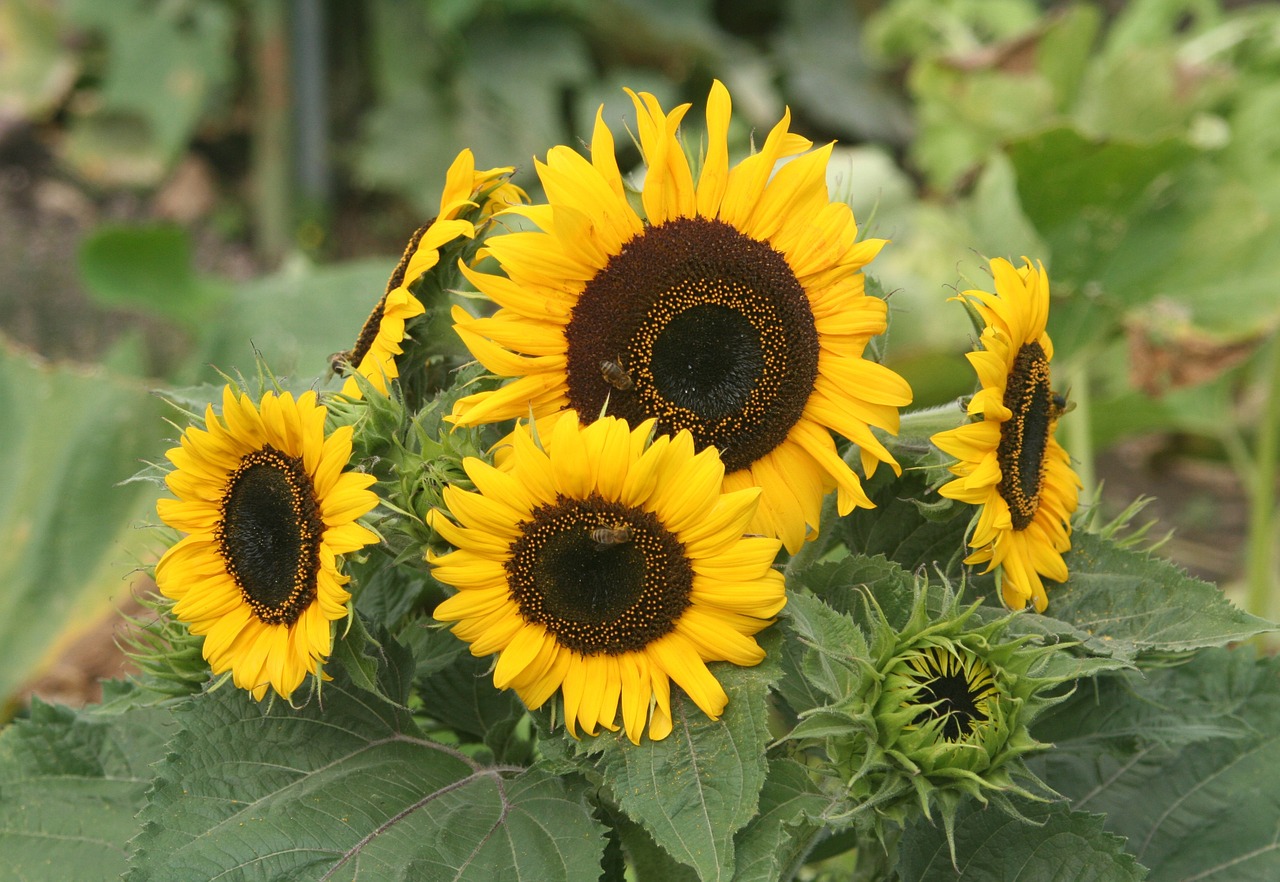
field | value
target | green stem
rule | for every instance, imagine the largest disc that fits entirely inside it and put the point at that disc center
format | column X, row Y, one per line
column 918, row 426
column 1260, row 572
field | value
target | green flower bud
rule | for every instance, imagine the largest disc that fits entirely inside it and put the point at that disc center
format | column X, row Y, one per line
column 939, row 713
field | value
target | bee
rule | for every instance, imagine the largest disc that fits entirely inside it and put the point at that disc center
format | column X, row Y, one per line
column 1059, row 405
column 615, row 374
column 607, row 537
column 340, row 363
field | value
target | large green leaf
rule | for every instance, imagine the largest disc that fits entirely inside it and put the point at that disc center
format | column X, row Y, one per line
column 818, row 658
column 148, row 268
column 68, row 528
column 36, row 67
column 992, row 846
column 1184, row 762
column 1082, row 192
column 790, row 821
column 71, row 785
column 1122, row 602
column 696, row 788
column 166, row 65
column 347, row 788
column 296, row 318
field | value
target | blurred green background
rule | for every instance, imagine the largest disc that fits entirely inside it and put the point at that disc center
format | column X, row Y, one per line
column 184, row 183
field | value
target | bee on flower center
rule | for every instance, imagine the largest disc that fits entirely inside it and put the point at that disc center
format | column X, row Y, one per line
column 607, row 537
column 615, row 374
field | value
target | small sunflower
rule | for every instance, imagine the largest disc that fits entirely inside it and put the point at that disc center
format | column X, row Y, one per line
column 733, row 308
column 606, row 566
column 1010, row 464
column 268, row 510
column 378, row 344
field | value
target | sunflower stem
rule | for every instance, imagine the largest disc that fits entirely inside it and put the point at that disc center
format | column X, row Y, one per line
column 918, row 426
column 1261, row 491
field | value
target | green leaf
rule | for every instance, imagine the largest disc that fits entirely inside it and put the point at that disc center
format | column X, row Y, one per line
column 346, row 787
column 816, row 656
column 165, row 65
column 463, row 697
column 992, row 846
column 147, row 268
column 295, row 318
column 1200, row 698
column 68, row 529
column 1102, row 206
column 828, row 78
column 696, row 788
column 389, row 593
column 646, row 857
column 777, row 840
column 838, row 584
column 1184, row 763
column 897, row 529
column 1125, row 602
column 71, row 784
column 374, row 664
column 37, row 68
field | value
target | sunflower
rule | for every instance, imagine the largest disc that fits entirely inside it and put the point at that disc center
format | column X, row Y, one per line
column 733, row 308
column 1010, row 464
column 378, row 344
column 606, row 566
column 267, row 509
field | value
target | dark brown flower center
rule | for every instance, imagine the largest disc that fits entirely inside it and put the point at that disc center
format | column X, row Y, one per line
column 955, row 690
column 602, row 577
column 701, row 327
column 269, row 534
column 1024, row 437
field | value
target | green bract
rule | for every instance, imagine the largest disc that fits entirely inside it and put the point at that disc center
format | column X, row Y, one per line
column 940, row 711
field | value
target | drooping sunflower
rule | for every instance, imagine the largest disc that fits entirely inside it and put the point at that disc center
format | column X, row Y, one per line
column 466, row 191
column 605, row 566
column 268, row 511
column 1009, row 461
column 733, row 308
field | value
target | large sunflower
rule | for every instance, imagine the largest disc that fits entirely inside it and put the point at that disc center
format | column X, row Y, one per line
column 606, row 566
column 466, row 191
column 267, row 509
column 733, row 308
column 1010, row 464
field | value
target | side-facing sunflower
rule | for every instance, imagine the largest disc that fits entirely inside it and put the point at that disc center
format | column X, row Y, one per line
column 1010, row 464
column 605, row 566
column 268, row 510
column 734, row 308
column 465, row 190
